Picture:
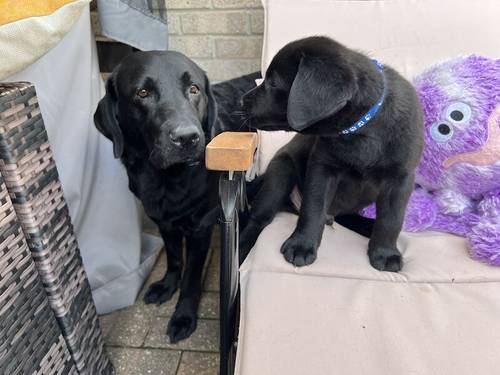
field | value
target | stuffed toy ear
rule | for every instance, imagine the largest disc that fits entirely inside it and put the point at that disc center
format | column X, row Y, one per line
column 105, row 118
column 211, row 123
column 319, row 90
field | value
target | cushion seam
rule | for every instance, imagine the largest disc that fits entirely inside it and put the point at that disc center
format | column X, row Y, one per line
column 451, row 282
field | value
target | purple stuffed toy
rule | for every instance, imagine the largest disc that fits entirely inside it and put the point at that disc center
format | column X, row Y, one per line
column 458, row 178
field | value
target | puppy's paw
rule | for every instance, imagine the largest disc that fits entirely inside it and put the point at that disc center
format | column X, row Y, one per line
column 385, row 259
column 299, row 250
column 182, row 324
column 163, row 290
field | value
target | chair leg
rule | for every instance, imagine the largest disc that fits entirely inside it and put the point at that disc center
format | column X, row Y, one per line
column 231, row 198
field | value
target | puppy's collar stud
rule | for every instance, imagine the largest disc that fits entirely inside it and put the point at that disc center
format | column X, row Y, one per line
column 373, row 110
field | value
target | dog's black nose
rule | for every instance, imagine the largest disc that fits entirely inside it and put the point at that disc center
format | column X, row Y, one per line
column 185, row 137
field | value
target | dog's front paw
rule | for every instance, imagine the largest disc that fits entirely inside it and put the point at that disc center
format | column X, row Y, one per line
column 163, row 290
column 299, row 250
column 385, row 259
column 182, row 324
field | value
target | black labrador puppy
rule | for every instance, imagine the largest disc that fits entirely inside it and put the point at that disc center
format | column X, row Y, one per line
column 160, row 111
column 360, row 139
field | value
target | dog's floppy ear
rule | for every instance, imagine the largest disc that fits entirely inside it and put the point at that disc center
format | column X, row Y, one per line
column 105, row 118
column 319, row 90
column 211, row 122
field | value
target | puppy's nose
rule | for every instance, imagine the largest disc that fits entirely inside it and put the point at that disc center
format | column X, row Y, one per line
column 185, row 137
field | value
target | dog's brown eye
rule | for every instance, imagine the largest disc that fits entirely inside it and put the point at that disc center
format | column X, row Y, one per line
column 193, row 89
column 143, row 93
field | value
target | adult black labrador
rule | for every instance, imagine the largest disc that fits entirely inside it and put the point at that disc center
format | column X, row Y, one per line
column 360, row 139
column 160, row 111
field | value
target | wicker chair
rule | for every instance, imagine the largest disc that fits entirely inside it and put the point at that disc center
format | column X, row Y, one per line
column 48, row 321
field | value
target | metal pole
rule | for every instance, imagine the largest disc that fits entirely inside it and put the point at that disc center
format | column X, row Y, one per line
column 230, row 199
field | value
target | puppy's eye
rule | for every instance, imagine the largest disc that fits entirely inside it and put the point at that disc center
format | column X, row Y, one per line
column 143, row 93
column 193, row 89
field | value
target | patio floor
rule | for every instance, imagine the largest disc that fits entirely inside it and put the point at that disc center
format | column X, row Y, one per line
column 136, row 340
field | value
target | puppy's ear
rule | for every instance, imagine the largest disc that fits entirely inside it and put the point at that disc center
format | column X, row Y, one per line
column 105, row 118
column 211, row 123
column 319, row 90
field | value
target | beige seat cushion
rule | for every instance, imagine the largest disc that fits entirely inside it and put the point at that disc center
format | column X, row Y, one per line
column 339, row 316
column 428, row 257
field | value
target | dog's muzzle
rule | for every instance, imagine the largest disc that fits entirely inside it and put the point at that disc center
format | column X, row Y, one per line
column 185, row 137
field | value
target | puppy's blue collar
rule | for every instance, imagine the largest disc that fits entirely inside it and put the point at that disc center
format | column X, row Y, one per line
column 373, row 110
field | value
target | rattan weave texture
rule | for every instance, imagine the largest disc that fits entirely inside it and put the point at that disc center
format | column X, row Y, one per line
column 32, row 181
column 31, row 341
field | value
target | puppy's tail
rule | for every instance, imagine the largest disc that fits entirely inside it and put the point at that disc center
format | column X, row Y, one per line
column 357, row 223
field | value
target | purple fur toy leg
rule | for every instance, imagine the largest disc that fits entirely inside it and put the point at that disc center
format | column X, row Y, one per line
column 369, row 212
column 484, row 236
column 459, row 225
column 484, row 241
column 421, row 211
column 490, row 204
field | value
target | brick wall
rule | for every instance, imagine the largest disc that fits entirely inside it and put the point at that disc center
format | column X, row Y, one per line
column 223, row 36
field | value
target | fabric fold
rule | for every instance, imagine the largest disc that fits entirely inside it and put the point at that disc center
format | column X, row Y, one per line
column 139, row 23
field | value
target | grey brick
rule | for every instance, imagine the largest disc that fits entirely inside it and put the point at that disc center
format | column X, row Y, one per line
column 238, row 48
column 192, row 46
column 257, row 21
column 204, row 339
column 215, row 259
column 220, row 70
column 212, row 280
column 208, row 309
column 237, row 3
column 193, row 363
column 215, row 23
column 209, row 306
column 130, row 327
column 187, row 4
column 144, row 361
column 174, row 23
column 106, row 322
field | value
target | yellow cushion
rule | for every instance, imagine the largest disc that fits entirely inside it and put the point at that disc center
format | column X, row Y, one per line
column 14, row 10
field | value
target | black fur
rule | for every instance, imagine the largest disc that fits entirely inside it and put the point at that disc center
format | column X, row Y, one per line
column 160, row 138
column 318, row 87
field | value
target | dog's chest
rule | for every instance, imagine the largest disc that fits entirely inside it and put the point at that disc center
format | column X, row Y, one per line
column 358, row 174
column 171, row 196
column 352, row 194
column 357, row 153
